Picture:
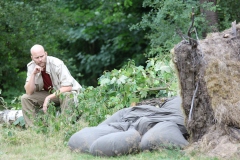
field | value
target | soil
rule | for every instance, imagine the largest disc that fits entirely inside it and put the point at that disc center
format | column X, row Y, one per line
column 209, row 78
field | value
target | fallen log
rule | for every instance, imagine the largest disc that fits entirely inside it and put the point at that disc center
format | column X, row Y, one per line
column 10, row 116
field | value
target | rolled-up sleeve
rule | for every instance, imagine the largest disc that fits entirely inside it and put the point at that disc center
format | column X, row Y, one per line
column 30, row 67
column 65, row 77
column 60, row 75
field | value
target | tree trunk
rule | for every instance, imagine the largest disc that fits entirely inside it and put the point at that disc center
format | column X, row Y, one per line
column 211, row 17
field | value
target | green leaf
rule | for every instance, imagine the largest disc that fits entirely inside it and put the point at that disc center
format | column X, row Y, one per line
column 20, row 121
column 134, row 100
column 104, row 81
column 122, row 79
column 165, row 69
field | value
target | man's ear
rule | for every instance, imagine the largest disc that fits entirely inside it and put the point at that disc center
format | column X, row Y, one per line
column 46, row 53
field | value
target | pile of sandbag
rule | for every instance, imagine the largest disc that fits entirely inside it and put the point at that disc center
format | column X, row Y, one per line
column 134, row 129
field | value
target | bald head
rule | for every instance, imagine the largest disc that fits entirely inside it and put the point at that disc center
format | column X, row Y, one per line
column 37, row 49
column 38, row 55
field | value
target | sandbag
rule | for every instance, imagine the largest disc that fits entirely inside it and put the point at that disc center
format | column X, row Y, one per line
column 164, row 134
column 116, row 144
column 83, row 139
column 131, row 129
column 143, row 124
column 174, row 104
column 116, row 117
column 123, row 126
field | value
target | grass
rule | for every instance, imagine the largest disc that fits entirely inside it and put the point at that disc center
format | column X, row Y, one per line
column 41, row 143
column 30, row 144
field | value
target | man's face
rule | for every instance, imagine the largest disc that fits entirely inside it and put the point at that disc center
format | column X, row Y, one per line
column 40, row 58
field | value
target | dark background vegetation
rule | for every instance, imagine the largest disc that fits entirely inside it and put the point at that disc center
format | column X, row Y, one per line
column 92, row 37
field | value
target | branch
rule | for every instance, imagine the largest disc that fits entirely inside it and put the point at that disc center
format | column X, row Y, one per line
column 200, row 48
column 192, row 104
column 179, row 32
column 156, row 89
column 185, row 37
column 189, row 29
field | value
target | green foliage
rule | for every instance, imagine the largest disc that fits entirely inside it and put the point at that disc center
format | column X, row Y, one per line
column 119, row 88
column 164, row 19
column 54, row 121
column 228, row 12
column 15, row 103
column 100, row 38
column 20, row 121
column 10, row 136
column 95, row 36
column 3, row 103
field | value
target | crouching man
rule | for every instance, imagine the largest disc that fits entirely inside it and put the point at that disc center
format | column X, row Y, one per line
column 47, row 77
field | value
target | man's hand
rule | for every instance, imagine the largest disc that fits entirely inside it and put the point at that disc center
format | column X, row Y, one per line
column 30, row 85
column 37, row 69
column 45, row 104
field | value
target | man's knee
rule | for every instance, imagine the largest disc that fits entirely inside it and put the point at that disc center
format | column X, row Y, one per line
column 24, row 97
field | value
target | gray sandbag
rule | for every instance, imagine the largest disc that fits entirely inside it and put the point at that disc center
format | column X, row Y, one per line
column 123, row 126
column 143, row 124
column 157, row 127
column 175, row 104
column 147, row 116
column 164, row 134
column 83, row 139
column 116, row 117
column 116, row 144
column 144, row 117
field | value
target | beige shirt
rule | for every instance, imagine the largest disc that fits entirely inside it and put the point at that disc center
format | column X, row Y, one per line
column 58, row 72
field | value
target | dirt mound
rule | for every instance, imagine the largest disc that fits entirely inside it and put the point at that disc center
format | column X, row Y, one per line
column 209, row 77
column 216, row 143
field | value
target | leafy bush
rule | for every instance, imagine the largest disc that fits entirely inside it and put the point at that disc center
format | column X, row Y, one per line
column 119, row 88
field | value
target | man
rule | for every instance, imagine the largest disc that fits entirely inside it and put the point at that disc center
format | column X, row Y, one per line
column 47, row 77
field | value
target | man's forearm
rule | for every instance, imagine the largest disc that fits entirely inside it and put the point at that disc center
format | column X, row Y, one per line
column 30, row 85
column 61, row 90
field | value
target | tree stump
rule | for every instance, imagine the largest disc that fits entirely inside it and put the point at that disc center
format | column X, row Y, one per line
column 209, row 80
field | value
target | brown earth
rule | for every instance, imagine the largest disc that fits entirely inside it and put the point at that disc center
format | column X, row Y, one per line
column 209, row 80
